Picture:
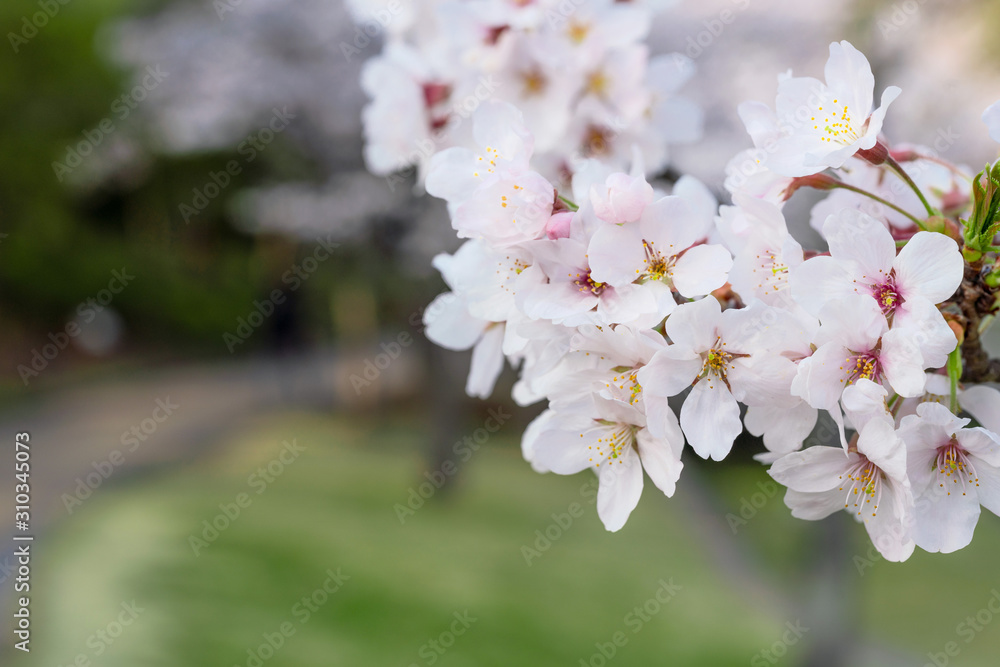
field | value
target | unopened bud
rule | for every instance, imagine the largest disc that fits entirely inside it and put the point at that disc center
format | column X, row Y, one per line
column 558, row 225
column 435, row 93
column 956, row 328
column 875, row 155
column 815, row 181
column 905, row 155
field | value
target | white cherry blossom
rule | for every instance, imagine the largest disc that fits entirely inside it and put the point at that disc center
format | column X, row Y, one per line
column 905, row 287
column 725, row 357
column 869, row 480
column 611, row 438
column 953, row 470
column 823, row 124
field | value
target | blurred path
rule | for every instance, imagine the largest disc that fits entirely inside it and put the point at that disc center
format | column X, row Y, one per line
column 88, row 437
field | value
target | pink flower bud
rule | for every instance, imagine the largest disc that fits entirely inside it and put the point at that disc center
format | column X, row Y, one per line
column 435, row 93
column 816, row 181
column 875, row 155
column 558, row 225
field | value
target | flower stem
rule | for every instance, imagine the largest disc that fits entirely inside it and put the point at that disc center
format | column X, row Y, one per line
column 894, row 403
column 852, row 188
column 944, row 163
column 955, row 372
column 909, row 181
column 570, row 204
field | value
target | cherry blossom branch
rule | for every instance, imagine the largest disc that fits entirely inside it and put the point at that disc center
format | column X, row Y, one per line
column 911, row 155
column 824, row 181
column 977, row 301
column 884, row 202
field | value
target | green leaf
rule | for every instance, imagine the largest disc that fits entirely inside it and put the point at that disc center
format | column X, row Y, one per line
column 984, row 223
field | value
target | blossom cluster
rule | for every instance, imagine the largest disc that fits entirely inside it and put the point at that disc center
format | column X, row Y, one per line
column 650, row 319
column 579, row 72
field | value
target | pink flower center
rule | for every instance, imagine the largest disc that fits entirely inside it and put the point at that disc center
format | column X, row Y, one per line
column 588, row 284
column 887, row 295
column 863, row 366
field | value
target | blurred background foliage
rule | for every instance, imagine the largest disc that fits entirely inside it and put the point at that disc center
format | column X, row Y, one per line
column 198, row 276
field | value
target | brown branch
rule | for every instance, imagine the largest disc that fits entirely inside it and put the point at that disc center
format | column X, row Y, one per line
column 976, row 299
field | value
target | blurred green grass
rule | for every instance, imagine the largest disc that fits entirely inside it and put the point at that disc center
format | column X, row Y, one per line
column 333, row 507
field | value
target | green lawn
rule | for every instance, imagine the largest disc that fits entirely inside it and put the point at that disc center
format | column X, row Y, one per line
column 332, row 508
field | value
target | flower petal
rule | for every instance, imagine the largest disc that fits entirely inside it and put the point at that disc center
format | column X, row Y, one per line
column 693, row 325
column 701, row 270
column 710, row 418
column 448, row 323
column 813, row 470
column 487, row 362
column 819, row 280
column 619, row 490
column 661, row 459
column 983, row 403
column 814, row 506
column 857, row 237
column 929, row 265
